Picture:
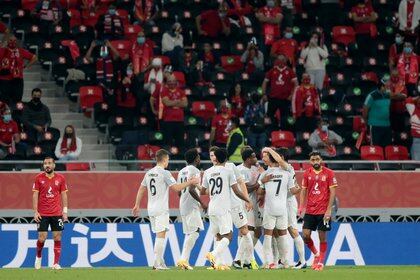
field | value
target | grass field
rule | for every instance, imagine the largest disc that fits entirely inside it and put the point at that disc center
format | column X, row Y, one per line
column 336, row 273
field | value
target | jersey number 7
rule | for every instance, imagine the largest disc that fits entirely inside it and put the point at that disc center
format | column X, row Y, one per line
column 278, row 186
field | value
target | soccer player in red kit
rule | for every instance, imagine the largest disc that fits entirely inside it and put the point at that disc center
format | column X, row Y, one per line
column 316, row 201
column 50, row 205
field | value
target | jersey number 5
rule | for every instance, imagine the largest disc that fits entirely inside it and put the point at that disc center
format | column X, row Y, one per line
column 152, row 187
column 216, row 183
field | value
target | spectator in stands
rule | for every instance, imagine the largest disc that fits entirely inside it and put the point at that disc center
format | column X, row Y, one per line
column 141, row 53
column 286, row 46
column 236, row 141
column 376, row 112
column 174, row 101
column 324, row 140
column 270, row 17
column 156, row 106
column 255, row 120
column 110, row 25
column 12, row 64
column 239, row 11
column 219, row 124
column 173, row 46
column 408, row 19
column 288, row 11
column 364, row 18
column 212, row 23
column 238, row 101
column 129, row 97
column 69, row 146
column 283, row 83
column 253, row 59
column 154, row 76
column 408, row 68
column 9, row 134
column 208, row 60
column 89, row 5
column 49, row 13
column 145, row 12
column 306, row 105
column 4, row 29
column 395, row 50
column 398, row 111
column 413, row 108
column 36, row 116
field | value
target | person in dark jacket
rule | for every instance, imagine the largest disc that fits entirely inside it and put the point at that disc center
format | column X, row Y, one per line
column 36, row 116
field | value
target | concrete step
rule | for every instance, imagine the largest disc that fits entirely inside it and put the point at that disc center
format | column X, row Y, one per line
column 34, row 68
column 89, row 140
column 67, row 116
column 54, row 101
column 94, row 155
column 89, row 132
column 46, row 92
column 63, row 123
column 59, row 108
column 39, row 84
column 32, row 76
column 96, row 147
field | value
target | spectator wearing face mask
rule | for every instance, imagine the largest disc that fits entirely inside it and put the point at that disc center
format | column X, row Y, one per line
column 156, row 96
column 69, row 146
column 219, row 134
column 208, row 60
column 141, row 53
column 286, row 46
column 12, row 65
column 408, row 68
column 110, row 25
column 270, row 17
column 49, row 13
column 255, row 119
column 395, row 50
column 212, row 23
column 314, row 56
column 398, row 93
column 36, row 116
column 9, row 134
column 324, row 140
column 237, row 100
column 129, row 99
column 253, row 60
column 408, row 18
column 173, row 46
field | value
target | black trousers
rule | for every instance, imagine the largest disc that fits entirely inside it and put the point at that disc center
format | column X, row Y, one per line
column 305, row 123
column 381, row 135
column 279, row 104
column 173, row 133
column 11, row 91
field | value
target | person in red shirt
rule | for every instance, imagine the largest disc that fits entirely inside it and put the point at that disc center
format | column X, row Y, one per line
column 238, row 101
column 174, row 101
column 213, row 23
column 12, row 64
column 413, row 108
column 239, row 10
column 219, row 134
column 364, row 18
column 306, row 105
column 408, row 68
column 50, row 204
column 9, row 134
column 270, row 17
column 316, row 201
column 141, row 53
column 395, row 50
column 145, row 12
column 286, row 46
column 283, row 83
column 398, row 95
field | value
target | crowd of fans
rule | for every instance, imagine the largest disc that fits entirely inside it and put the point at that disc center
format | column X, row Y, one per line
column 265, row 65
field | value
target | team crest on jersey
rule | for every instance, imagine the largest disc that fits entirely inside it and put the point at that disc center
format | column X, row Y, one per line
column 42, row 182
column 324, row 178
column 56, row 182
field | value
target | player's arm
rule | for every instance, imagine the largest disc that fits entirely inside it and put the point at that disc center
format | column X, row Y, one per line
column 65, row 202
column 327, row 215
column 277, row 157
column 239, row 194
column 136, row 208
column 35, row 195
column 190, row 182
column 196, row 196
column 303, row 197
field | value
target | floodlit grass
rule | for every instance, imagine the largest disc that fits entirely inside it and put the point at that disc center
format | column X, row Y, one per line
column 335, row 273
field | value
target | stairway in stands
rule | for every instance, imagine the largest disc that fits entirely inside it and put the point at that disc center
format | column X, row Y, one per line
column 64, row 112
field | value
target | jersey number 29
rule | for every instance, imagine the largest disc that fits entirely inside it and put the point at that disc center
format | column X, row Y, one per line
column 216, row 185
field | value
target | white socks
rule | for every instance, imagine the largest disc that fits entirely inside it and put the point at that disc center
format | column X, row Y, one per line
column 159, row 250
column 282, row 247
column 239, row 252
column 248, row 248
column 219, row 248
column 300, row 248
column 268, row 250
column 275, row 248
column 189, row 243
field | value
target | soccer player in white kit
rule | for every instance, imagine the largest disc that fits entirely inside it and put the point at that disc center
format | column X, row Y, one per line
column 281, row 157
column 189, row 206
column 275, row 184
column 218, row 182
column 157, row 182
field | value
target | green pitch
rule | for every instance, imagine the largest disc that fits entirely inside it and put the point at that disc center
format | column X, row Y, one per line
column 333, row 273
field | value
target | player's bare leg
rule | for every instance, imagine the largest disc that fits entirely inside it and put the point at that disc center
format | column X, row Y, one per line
column 214, row 257
column 268, row 249
column 57, row 249
column 300, row 247
column 322, row 249
column 310, row 243
column 159, row 251
column 42, row 236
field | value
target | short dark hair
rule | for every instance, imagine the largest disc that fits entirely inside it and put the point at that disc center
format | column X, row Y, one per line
column 284, row 152
column 314, row 154
column 191, row 155
column 161, row 154
column 246, row 153
column 213, row 148
column 236, row 121
column 221, row 155
column 48, row 158
column 36, row 90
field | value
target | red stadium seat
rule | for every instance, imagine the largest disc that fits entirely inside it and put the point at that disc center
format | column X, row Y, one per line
column 78, row 166
column 372, row 153
column 231, row 63
column 70, row 3
column 123, row 47
column 165, row 60
column 131, row 31
column 75, row 18
column 180, row 77
column 124, row 16
column 296, row 165
column 283, row 138
column 203, row 109
column 29, row 5
column 89, row 95
column 343, row 35
column 396, row 153
column 358, row 124
column 146, row 152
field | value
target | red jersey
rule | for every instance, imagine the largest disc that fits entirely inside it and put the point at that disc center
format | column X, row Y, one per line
column 49, row 197
column 211, row 23
column 13, row 61
column 362, row 11
column 7, row 130
column 318, row 184
column 220, row 123
column 306, row 102
column 287, row 47
column 270, row 31
column 398, row 106
column 173, row 114
column 281, row 82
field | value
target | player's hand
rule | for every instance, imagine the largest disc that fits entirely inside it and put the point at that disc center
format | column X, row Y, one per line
column 327, row 216
column 249, row 206
column 266, row 150
column 267, row 178
column 204, row 206
column 136, row 211
column 65, row 217
column 194, row 181
column 37, row 217
column 301, row 212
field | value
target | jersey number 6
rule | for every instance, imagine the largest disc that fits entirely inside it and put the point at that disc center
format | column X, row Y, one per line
column 152, row 187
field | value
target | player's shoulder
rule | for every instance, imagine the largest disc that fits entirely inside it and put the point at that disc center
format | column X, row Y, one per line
column 328, row 171
column 39, row 175
column 307, row 171
column 59, row 175
column 184, row 169
column 194, row 169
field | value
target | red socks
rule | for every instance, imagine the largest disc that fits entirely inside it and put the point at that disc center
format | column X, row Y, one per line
column 39, row 247
column 57, row 251
column 311, row 246
column 323, row 248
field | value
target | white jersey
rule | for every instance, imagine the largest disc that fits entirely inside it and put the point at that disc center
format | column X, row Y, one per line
column 219, row 181
column 276, row 191
column 186, row 202
column 157, row 181
column 250, row 176
column 235, row 200
column 291, row 198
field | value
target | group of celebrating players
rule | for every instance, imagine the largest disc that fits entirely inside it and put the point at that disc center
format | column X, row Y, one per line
column 245, row 196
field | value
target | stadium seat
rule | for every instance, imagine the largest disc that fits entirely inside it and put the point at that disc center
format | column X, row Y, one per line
column 231, row 63
column 396, row 153
column 203, row 109
column 123, row 47
column 35, row 153
column 146, row 152
column 372, row 153
column 116, row 127
column 29, row 5
column 283, row 139
column 78, row 166
column 88, row 96
column 131, row 31
column 343, row 35
column 101, row 114
column 180, row 77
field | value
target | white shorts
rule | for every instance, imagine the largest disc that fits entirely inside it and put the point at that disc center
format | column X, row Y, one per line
column 221, row 224
column 272, row 222
column 160, row 223
column 254, row 217
column 292, row 215
column 192, row 222
column 239, row 216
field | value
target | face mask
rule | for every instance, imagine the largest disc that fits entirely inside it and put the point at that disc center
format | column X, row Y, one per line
column 68, row 135
column 129, row 72
column 324, row 128
column 172, row 86
column 224, row 110
column 280, row 63
column 270, row 4
column 306, row 81
column 141, row 40
column 222, row 14
column 112, row 12
column 12, row 44
column 398, row 40
column 7, row 118
column 36, row 100
column 316, row 166
column 407, row 50
column 288, row 35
